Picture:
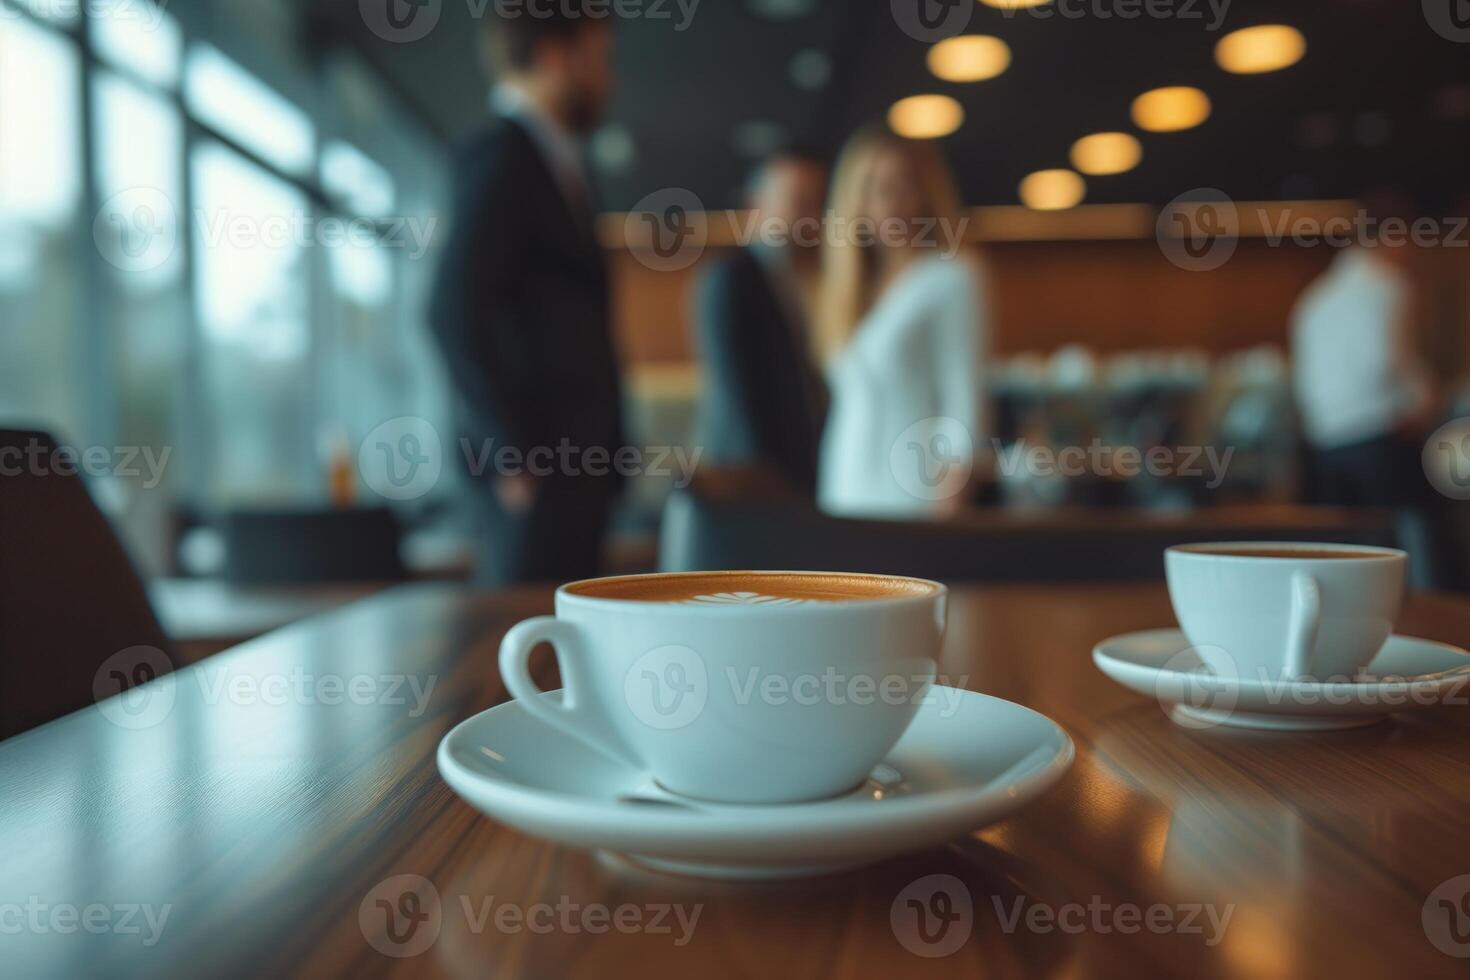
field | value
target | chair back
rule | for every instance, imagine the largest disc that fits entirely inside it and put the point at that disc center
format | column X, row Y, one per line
column 70, row 596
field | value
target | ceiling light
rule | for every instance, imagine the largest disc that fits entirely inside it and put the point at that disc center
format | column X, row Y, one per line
column 1106, row 153
column 1052, row 190
column 924, row 117
column 1254, row 50
column 1168, row 110
column 969, row 58
column 1014, row 4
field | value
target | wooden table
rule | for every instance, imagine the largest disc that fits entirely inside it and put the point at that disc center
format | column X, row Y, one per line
column 206, row 615
column 265, row 827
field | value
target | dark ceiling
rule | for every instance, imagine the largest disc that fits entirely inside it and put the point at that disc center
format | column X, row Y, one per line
column 1380, row 97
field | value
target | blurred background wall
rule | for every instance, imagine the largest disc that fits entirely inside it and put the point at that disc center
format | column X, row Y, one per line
column 218, row 217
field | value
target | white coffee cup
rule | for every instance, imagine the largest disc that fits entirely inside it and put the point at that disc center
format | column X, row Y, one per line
column 1264, row 610
column 738, row 687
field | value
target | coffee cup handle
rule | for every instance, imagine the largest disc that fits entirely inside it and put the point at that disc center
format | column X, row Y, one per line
column 571, row 715
column 1306, row 616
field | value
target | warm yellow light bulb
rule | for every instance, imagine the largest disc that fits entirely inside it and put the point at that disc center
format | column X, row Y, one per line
column 1168, row 110
column 969, row 58
column 1106, row 153
column 1052, row 190
column 923, row 117
column 1255, row 50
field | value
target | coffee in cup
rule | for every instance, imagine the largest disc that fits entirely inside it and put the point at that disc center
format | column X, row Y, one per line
column 737, row 687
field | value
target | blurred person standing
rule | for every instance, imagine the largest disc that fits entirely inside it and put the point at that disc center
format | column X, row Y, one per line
column 901, row 326
column 764, row 400
column 521, row 306
column 1361, row 388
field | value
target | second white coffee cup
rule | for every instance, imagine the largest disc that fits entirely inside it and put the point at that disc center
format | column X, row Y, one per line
column 1285, row 611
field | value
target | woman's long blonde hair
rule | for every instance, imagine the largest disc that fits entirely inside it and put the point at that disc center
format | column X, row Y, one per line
column 849, row 271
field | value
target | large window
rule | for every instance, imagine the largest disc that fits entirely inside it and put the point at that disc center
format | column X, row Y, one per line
column 41, row 310
column 253, row 296
column 192, row 259
column 139, row 139
column 236, row 103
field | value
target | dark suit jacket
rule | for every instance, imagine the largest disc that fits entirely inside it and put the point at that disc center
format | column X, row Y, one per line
column 521, row 308
column 764, row 402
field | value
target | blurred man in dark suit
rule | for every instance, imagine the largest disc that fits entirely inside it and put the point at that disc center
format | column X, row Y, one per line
column 521, row 307
column 764, row 401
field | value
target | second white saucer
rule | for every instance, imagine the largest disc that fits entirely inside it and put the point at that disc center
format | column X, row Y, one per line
column 966, row 761
column 1408, row 674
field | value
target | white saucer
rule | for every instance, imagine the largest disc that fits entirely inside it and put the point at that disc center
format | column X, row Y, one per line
column 1408, row 674
column 966, row 761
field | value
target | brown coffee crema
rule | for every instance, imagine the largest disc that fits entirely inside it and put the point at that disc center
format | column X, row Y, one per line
column 1301, row 554
column 751, row 588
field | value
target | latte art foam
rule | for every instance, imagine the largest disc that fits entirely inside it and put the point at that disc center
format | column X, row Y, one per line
column 742, row 599
column 752, row 589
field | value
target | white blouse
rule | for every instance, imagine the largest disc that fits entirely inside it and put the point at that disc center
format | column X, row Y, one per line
column 907, row 414
column 1355, row 374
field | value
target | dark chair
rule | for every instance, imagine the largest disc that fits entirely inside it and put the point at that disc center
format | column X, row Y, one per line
column 704, row 533
column 309, row 547
column 70, row 598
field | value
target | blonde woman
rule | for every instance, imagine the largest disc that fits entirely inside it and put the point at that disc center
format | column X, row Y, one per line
column 900, row 329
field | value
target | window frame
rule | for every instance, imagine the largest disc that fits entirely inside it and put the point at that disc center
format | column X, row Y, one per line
column 194, row 446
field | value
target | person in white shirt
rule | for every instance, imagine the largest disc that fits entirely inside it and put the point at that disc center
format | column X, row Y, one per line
column 1361, row 389
column 901, row 329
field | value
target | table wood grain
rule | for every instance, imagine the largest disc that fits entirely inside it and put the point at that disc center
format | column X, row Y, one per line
column 203, row 616
column 264, row 823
